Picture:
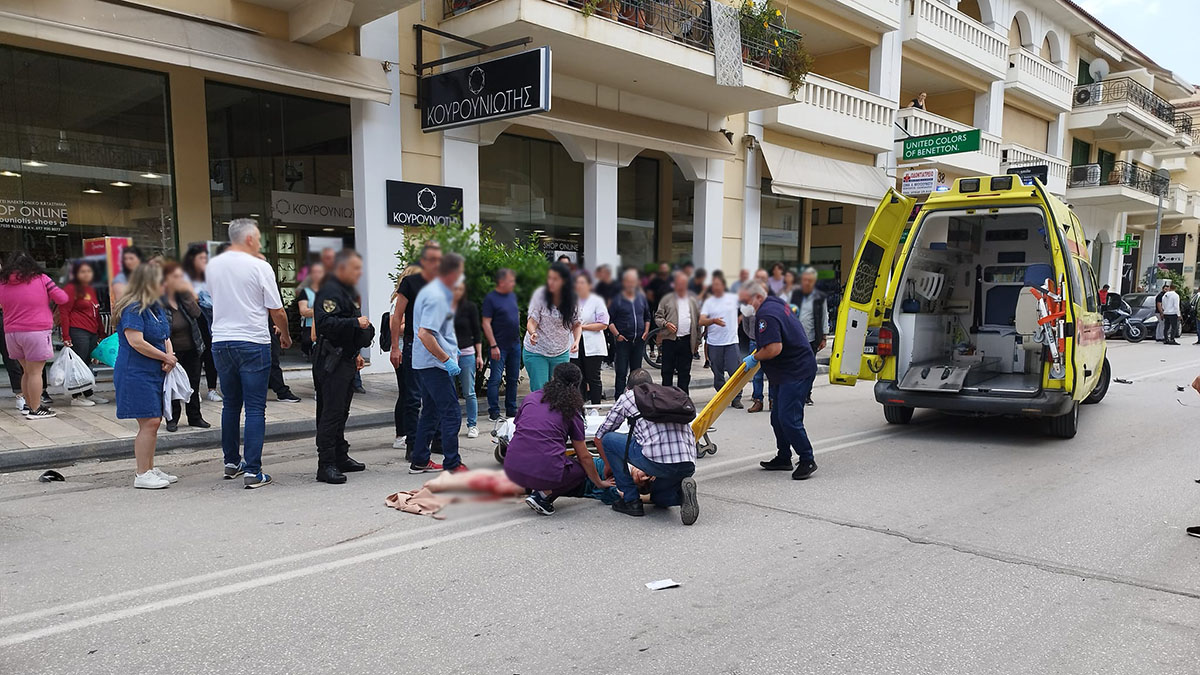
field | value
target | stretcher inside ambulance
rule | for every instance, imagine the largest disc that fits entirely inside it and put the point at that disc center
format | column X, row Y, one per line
column 986, row 304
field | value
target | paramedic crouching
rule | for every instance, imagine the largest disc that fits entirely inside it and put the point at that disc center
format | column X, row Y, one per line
column 665, row 451
column 787, row 359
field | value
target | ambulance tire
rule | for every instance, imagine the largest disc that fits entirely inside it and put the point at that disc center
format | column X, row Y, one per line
column 1101, row 389
column 897, row 414
column 1065, row 426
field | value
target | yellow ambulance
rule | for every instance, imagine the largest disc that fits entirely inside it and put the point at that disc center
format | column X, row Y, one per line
column 984, row 303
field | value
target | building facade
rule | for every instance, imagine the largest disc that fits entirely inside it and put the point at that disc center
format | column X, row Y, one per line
column 676, row 130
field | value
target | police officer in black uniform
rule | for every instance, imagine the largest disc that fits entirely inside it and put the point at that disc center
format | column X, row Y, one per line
column 342, row 331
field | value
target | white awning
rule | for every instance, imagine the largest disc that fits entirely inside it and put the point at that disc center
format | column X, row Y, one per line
column 119, row 29
column 803, row 174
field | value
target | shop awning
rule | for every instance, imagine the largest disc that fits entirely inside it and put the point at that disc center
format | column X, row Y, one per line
column 137, row 33
column 803, row 174
column 610, row 125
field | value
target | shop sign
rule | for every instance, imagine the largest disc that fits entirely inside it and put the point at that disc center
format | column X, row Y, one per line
column 936, row 145
column 1171, row 251
column 493, row 90
column 556, row 248
column 302, row 208
column 1028, row 173
column 420, row 205
column 34, row 216
column 919, row 182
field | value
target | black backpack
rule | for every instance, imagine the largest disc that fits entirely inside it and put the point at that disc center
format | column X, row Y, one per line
column 668, row 405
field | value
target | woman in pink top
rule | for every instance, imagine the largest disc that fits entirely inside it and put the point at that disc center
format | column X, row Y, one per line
column 25, row 296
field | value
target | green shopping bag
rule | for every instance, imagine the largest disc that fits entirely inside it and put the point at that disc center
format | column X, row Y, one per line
column 106, row 351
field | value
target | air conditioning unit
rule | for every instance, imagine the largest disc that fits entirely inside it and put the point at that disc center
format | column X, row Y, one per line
column 1087, row 175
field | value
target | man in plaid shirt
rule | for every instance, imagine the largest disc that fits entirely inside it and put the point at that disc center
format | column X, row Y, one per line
column 665, row 451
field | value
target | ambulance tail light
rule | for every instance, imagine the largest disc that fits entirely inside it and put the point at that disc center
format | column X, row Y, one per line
column 886, row 336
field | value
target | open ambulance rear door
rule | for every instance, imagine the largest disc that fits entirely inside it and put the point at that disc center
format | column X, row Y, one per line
column 863, row 303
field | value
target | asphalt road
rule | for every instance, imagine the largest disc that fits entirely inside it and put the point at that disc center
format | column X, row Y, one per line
column 952, row 545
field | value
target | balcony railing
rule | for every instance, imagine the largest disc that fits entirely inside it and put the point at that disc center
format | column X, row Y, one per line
column 685, row 21
column 1125, row 90
column 1184, row 124
column 1013, row 156
column 955, row 29
column 1122, row 174
column 1047, row 77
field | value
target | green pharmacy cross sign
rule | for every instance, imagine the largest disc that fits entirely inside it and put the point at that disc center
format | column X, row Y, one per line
column 936, row 145
column 1127, row 244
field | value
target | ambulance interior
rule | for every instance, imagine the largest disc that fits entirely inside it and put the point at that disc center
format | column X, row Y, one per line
column 965, row 318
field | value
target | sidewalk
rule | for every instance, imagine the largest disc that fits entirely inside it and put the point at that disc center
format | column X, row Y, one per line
column 94, row 433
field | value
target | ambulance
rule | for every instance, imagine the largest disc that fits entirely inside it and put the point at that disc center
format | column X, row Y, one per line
column 983, row 303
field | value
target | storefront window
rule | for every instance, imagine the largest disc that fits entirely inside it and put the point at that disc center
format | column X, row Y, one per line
column 84, row 153
column 637, row 212
column 284, row 161
column 683, row 199
column 530, row 187
column 779, row 232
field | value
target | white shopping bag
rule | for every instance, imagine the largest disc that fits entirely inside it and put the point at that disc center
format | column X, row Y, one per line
column 175, row 388
column 70, row 374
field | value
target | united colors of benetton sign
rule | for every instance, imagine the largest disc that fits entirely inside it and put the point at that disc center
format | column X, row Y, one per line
column 505, row 87
column 936, row 145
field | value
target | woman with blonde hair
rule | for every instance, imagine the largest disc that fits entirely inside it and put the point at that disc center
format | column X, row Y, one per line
column 144, row 357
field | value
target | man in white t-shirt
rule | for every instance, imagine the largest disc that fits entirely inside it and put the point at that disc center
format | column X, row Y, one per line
column 719, row 314
column 244, row 293
column 1170, row 310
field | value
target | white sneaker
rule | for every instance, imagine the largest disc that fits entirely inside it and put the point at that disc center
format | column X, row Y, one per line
column 472, row 432
column 83, row 401
column 149, row 481
column 400, row 443
column 214, row 396
column 164, row 475
column 21, row 403
column 97, row 400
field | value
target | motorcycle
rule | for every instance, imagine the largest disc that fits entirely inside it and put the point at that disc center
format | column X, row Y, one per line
column 1118, row 321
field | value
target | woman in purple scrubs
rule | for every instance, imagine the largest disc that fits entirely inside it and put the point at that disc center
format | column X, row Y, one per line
column 547, row 421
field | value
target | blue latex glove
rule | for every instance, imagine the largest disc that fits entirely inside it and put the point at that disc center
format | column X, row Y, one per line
column 452, row 367
column 750, row 362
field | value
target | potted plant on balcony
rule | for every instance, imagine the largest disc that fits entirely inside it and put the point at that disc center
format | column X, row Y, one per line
column 755, row 24
column 633, row 12
column 606, row 8
column 790, row 59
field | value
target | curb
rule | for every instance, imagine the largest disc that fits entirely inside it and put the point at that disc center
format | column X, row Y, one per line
column 64, row 455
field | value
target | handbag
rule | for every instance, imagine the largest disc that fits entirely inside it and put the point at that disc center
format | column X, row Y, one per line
column 106, row 351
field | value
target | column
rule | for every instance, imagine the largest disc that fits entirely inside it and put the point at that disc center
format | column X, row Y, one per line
column 707, row 227
column 460, row 168
column 884, row 76
column 189, row 143
column 989, row 109
column 600, row 214
column 752, row 199
column 375, row 138
column 1056, row 137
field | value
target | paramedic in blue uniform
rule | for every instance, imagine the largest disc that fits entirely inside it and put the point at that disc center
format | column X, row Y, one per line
column 786, row 356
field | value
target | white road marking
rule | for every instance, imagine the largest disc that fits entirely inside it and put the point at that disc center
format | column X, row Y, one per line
column 238, row 587
column 1190, row 365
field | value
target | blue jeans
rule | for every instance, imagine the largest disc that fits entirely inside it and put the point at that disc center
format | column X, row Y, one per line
column 439, row 412
column 787, row 418
column 664, row 491
column 466, row 382
column 243, row 368
column 540, row 368
column 757, row 384
column 509, row 368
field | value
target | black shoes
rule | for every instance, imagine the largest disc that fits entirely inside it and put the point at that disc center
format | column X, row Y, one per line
column 172, row 425
column 689, row 508
column 347, row 464
column 331, row 475
column 288, row 397
column 804, row 470
column 736, row 404
column 538, row 502
column 1194, row 531
column 360, row 390
column 777, row 463
column 634, row 508
column 199, row 424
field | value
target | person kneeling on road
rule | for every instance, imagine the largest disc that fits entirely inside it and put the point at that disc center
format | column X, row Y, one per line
column 665, row 451
column 786, row 356
column 342, row 331
column 537, row 459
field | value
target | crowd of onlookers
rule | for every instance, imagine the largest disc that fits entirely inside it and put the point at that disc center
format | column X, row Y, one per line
column 223, row 323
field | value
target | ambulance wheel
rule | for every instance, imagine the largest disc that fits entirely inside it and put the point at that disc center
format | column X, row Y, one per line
column 501, row 451
column 897, row 414
column 1101, row 389
column 1065, row 426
